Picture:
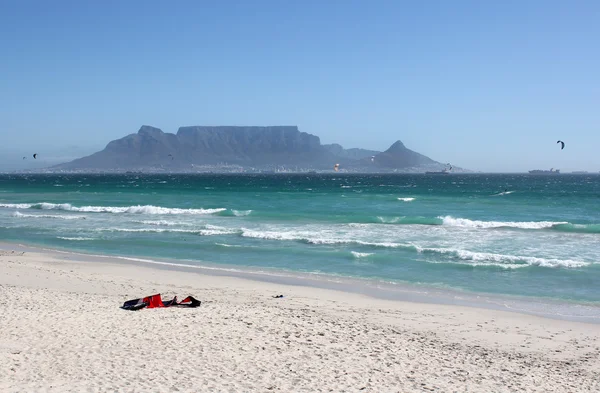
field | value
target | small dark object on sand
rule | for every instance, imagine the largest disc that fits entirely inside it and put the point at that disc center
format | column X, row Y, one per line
column 278, row 296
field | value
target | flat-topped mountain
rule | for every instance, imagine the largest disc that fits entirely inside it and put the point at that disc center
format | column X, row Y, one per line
column 252, row 147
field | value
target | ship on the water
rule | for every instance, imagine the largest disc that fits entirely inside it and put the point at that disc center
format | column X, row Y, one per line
column 545, row 172
column 444, row 171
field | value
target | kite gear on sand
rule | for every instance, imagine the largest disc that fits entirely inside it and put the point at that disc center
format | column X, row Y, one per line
column 155, row 301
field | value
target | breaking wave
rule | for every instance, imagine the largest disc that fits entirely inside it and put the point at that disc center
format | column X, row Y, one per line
column 561, row 226
column 307, row 237
column 232, row 245
column 359, row 255
column 388, row 220
column 162, row 223
column 241, row 213
column 139, row 209
column 207, row 230
column 409, row 220
column 502, row 260
column 472, row 258
column 464, row 222
column 235, row 213
column 406, row 199
column 479, row 224
column 21, row 215
column 16, row 205
column 75, row 238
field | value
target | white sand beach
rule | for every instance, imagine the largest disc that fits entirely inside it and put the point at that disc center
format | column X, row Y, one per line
column 61, row 330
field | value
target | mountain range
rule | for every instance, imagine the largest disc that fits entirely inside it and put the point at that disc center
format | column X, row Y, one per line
column 252, row 147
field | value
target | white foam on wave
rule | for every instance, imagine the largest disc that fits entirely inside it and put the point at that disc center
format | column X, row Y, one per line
column 16, row 205
column 138, row 209
column 216, row 232
column 305, row 236
column 208, row 230
column 502, row 260
column 406, row 199
column 503, row 193
column 359, row 225
column 162, row 223
column 466, row 223
column 388, row 220
column 51, row 216
column 270, row 235
column 229, row 245
column 75, row 238
column 472, row 258
column 312, row 237
column 241, row 213
column 359, row 255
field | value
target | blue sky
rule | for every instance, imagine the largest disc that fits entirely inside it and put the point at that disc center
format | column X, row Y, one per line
column 484, row 85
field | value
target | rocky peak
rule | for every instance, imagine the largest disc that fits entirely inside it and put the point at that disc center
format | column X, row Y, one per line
column 397, row 146
column 150, row 131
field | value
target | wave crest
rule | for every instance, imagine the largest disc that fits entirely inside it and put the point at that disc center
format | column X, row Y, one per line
column 472, row 257
column 409, row 220
column 241, row 213
column 138, row 209
column 466, row 223
column 509, row 261
column 162, row 223
column 359, row 255
column 21, row 215
column 207, row 230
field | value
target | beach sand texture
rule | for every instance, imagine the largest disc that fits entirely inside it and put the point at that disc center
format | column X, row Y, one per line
column 61, row 330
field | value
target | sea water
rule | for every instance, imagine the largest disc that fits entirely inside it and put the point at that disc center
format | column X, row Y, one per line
column 531, row 236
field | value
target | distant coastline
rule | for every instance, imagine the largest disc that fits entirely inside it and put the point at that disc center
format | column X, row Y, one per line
column 267, row 172
column 243, row 149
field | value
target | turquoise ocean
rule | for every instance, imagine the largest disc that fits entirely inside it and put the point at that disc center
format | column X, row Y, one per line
column 535, row 238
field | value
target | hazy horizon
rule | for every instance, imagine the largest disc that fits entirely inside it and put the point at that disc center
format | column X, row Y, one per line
column 487, row 87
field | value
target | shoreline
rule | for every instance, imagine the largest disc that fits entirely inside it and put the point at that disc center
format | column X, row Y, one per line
column 61, row 314
column 373, row 288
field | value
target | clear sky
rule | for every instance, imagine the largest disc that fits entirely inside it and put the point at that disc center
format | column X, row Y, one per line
column 486, row 85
